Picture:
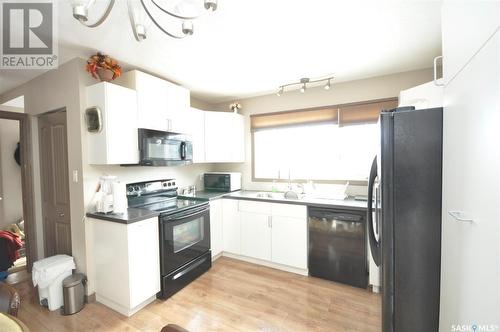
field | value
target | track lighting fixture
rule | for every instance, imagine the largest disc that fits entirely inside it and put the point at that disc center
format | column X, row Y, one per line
column 304, row 83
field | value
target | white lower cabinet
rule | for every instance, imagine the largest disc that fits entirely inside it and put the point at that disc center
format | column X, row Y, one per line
column 256, row 235
column 289, row 241
column 231, row 226
column 126, row 263
column 270, row 232
column 216, row 238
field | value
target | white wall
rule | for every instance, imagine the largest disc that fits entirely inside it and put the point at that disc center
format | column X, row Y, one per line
column 346, row 92
column 10, row 173
column 54, row 90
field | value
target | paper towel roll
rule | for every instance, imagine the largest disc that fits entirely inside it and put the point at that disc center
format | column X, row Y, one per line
column 119, row 197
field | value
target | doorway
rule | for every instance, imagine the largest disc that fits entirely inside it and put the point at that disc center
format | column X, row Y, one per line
column 17, row 193
column 52, row 130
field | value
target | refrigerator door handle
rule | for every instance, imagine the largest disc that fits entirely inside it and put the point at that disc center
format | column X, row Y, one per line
column 460, row 216
column 374, row 244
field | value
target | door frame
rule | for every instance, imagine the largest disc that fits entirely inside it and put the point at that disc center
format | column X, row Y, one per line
column 25, row 139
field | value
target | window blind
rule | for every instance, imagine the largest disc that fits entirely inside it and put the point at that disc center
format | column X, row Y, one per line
column 367, row 112
column 345, row 114
column 290, row 118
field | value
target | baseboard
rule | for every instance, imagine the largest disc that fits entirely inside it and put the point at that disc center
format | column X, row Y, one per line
column 90, row 298
column 267, row 264
column 121, row 309
column 219, row 255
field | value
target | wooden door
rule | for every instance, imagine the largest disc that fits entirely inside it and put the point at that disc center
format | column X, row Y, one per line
column 52, row 131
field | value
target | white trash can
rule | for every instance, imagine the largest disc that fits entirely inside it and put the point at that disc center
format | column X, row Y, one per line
column 48, row 274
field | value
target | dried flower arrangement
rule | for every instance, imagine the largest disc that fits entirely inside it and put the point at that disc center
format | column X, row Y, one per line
column 103, row 67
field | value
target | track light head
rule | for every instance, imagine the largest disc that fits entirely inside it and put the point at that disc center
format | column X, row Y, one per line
column 211, row 5
column 303, row 88
column 328, row 85
column 187, row 28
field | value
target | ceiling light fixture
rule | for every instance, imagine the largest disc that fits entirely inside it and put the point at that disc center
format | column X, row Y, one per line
column 81, row 14
column 304, row 86
column 304, row 83
column 280, row 91
column 327, row 85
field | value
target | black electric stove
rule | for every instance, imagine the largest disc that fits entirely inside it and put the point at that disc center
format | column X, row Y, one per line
column 184, row 226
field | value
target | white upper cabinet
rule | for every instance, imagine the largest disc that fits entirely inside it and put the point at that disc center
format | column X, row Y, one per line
column 196, row 129
column 466, row 26
column 116, row 142
column 224, row 137
column 161, row 105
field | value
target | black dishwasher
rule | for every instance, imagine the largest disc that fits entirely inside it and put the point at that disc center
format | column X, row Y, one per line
column 337, row 246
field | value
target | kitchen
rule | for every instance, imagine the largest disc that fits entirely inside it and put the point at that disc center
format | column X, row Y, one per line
column 177, row 217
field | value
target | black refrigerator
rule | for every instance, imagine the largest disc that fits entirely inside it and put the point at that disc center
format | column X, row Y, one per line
column 404, row 217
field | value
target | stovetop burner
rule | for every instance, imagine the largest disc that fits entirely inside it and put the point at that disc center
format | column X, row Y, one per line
column 160, row 196
column 176, row 205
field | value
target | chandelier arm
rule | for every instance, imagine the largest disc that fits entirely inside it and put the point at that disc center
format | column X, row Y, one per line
column 102, row 18
column 132, row 20
column 174, row 14
column 157, row 24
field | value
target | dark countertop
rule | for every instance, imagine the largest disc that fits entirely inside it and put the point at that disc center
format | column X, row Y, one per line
column 132, row 215
column 203, row 195
column 349, row 203
column 309, row 201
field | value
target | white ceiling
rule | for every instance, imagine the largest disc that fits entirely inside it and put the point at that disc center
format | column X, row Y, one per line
column 248, row 48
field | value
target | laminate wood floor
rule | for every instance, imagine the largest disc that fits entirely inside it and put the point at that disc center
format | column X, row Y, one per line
column 232, row 296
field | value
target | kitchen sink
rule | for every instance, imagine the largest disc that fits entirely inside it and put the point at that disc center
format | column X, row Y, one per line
column 276, row 195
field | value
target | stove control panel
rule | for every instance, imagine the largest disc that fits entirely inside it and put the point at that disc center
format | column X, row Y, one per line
column 142, row 188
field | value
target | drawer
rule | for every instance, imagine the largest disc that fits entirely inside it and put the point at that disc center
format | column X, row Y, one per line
column 289, row 210
column 254, row 207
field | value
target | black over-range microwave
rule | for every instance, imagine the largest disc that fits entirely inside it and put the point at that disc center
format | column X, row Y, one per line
column 160, row 148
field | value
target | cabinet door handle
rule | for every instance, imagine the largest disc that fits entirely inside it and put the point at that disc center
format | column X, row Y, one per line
column 435, row 71
column 270, row 222
column 460, row 216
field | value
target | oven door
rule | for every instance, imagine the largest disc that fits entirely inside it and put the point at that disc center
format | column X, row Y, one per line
column 184, row 236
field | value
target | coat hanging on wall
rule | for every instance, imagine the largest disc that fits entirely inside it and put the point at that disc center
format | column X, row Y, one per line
column 17, row 154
